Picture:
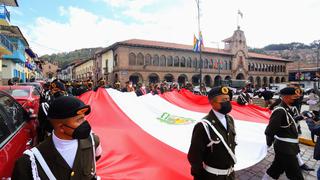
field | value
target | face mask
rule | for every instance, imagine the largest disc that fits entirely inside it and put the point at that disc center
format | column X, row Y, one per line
column 82, row 131
column 225, row 107
column 296, row 102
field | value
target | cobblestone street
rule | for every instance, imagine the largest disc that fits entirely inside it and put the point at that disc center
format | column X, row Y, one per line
column 256, row 172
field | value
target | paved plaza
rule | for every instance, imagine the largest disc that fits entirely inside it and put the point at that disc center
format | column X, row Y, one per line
column 256, row 172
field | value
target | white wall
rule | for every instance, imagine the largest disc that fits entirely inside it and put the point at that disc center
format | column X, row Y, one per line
column 107, row 56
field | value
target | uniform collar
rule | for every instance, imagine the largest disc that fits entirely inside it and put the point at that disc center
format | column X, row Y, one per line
column 218, row 114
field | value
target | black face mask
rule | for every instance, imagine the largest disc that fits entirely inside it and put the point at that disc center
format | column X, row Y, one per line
column 296, row 102
column 225, row 107
column 82, row 131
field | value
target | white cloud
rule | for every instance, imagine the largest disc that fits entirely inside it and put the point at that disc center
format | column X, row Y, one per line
column 62, row 11
column 264, row 22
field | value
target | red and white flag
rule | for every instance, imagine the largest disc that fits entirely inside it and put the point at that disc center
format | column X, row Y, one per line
column 148, row 137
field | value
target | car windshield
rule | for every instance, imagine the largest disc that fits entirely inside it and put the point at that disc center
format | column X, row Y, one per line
column 18, row 92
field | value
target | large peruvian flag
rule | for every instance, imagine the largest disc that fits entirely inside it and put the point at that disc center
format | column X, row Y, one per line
column 148, row 137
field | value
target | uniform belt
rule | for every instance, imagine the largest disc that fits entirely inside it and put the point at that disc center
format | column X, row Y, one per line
column 218, row 171
column 289, row 140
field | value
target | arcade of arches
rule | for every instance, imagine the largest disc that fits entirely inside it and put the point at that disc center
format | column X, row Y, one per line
column 209, row 80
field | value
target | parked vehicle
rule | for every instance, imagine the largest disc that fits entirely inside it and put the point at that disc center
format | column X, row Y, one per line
column 17, row 133
column 37, row 85
column 27, row 96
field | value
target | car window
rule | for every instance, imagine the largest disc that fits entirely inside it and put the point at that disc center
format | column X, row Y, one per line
column 4, row 131
column 36, row 92
column 18, row 92
column 13, row 111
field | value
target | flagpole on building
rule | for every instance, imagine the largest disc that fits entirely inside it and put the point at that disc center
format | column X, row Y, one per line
column 200, row 39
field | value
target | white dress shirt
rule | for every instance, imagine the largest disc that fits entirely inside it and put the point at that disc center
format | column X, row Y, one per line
column 221, row 117
column 66, row 148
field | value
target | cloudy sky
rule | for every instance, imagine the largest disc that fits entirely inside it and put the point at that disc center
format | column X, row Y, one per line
column 53, row 26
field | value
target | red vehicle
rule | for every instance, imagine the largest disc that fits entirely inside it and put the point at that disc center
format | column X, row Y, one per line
column 37, row 85
column 27, row 96
column 17, row 133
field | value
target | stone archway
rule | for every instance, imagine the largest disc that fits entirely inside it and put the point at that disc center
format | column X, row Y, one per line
column 168, row 77
column 196, row 79
column 135, row 78
column 182, row 79
column 258, row 81
column 217, row 81
column 271, row 80
column 207, row 80
column 251, row 79
column 265, row 81
column 283, row 79
column 240, row 76
column 153, row 78
column 277, row 80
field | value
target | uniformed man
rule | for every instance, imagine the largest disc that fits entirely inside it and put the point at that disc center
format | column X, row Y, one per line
column 69, row 153
column 212, row 148
column 244, row 97
column 283, row 132
column 57, row 89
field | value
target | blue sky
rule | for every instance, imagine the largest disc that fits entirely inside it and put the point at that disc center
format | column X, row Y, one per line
column 53, row 26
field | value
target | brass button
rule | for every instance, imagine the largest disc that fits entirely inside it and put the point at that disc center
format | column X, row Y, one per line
column 72, row 173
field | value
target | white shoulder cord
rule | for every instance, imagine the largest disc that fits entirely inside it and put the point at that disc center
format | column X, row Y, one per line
column 243, row 98
column 43, row 163
column 94, row 154
column 221, row 138
column 288, row 121
column 34, row 153
column 34, row 168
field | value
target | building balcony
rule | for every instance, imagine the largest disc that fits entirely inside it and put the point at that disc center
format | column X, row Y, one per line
column 6, row 47
column 17, row 56
column 4, row 15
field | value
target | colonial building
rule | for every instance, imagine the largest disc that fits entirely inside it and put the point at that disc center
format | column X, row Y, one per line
column 151, row 61
column 66, row 72
column 84, row 70
column 49, row 70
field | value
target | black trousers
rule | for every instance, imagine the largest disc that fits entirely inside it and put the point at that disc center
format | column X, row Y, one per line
column 285, row 163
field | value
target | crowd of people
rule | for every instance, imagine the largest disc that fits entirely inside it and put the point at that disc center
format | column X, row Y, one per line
column 212, row 151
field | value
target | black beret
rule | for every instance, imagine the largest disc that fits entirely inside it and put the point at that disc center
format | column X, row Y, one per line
column 219, row 90
column 59, row 85
column 67, row 106
column 290, row 91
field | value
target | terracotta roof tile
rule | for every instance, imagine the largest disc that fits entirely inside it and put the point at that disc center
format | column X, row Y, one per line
column 167, row 45
column 264, row 56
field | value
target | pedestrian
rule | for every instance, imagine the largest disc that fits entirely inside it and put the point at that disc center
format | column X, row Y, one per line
column 313, row 102
column 314, row 126
column 69, row 153
column 282, row 131
column 211, row 153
